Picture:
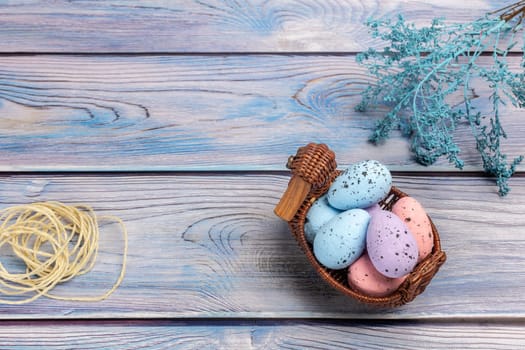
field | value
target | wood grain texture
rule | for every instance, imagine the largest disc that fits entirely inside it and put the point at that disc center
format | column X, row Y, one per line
column 261, row 335
column 210, row 246
column 211, row 25
column 227, row 85
column 247, row 112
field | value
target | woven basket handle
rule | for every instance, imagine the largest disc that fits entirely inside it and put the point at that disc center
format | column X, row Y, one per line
column 312, row 168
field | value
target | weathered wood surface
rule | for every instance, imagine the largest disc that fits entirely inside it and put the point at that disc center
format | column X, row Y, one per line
column 233, row 87
column 240, row 112
column 260, row 335
column 211, row 25
column 205, row 246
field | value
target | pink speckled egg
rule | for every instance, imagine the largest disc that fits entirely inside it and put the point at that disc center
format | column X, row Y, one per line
column 364, row 278
column 416, row 219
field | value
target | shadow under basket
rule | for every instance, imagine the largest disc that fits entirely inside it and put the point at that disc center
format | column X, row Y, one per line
column 313, row 170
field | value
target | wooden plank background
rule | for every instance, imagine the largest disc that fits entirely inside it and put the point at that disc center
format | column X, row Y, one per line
column 212, row 25
column 261, row 335
column 225, row 112
column 210, row 246
column 178, row 116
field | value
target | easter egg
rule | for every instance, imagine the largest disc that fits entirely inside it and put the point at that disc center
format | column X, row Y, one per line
column 364, row 278
column 390, row 245
column 342, row 239
column 360, row 186
column 412, row 213
column 318, row 214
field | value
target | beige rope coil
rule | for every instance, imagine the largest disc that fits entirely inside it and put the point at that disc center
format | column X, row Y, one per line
column 56, row 242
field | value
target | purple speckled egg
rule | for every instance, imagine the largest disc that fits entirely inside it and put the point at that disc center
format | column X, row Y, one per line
column 391, row 246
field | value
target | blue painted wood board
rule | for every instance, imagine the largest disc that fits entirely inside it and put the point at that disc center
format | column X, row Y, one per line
column 191, row 26
column 198, row 113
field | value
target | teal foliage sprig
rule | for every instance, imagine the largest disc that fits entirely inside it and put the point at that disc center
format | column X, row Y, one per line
column 420, row 70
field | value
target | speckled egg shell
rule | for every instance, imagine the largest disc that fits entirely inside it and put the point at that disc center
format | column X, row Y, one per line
column 360, row 186
column 391, row 246
column 364, row 278
column 319, row 213
column 342, row 240
column 412, row 213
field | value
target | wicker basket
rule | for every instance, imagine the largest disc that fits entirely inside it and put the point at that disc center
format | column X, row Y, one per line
column 314, row 169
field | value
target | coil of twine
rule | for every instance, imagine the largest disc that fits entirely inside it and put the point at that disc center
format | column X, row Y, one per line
column 56, row 242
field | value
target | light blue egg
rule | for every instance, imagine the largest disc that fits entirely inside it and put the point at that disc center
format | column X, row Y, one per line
column 342, row 239
column 360, row 186
column 319, row 213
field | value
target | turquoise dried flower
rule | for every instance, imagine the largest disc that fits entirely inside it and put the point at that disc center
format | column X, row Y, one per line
column 419, row 71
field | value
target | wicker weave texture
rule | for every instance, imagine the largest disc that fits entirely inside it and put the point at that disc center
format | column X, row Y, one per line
column 316, row 165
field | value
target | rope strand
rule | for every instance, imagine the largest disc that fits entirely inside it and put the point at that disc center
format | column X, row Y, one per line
column 56, row 242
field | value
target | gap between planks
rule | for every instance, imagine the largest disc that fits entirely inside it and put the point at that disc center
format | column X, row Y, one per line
column 239, row 172
column 487, row 53
column 258, row 321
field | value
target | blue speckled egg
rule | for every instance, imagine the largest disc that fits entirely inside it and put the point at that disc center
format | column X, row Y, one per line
column 319, row 213
column 390, row 245
column 360, row 186
column 342, row 240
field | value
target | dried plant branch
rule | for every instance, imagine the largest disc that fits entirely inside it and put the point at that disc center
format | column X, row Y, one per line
column 420, row 69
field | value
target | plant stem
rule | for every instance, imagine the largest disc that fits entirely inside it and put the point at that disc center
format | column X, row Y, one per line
column 511, row 11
